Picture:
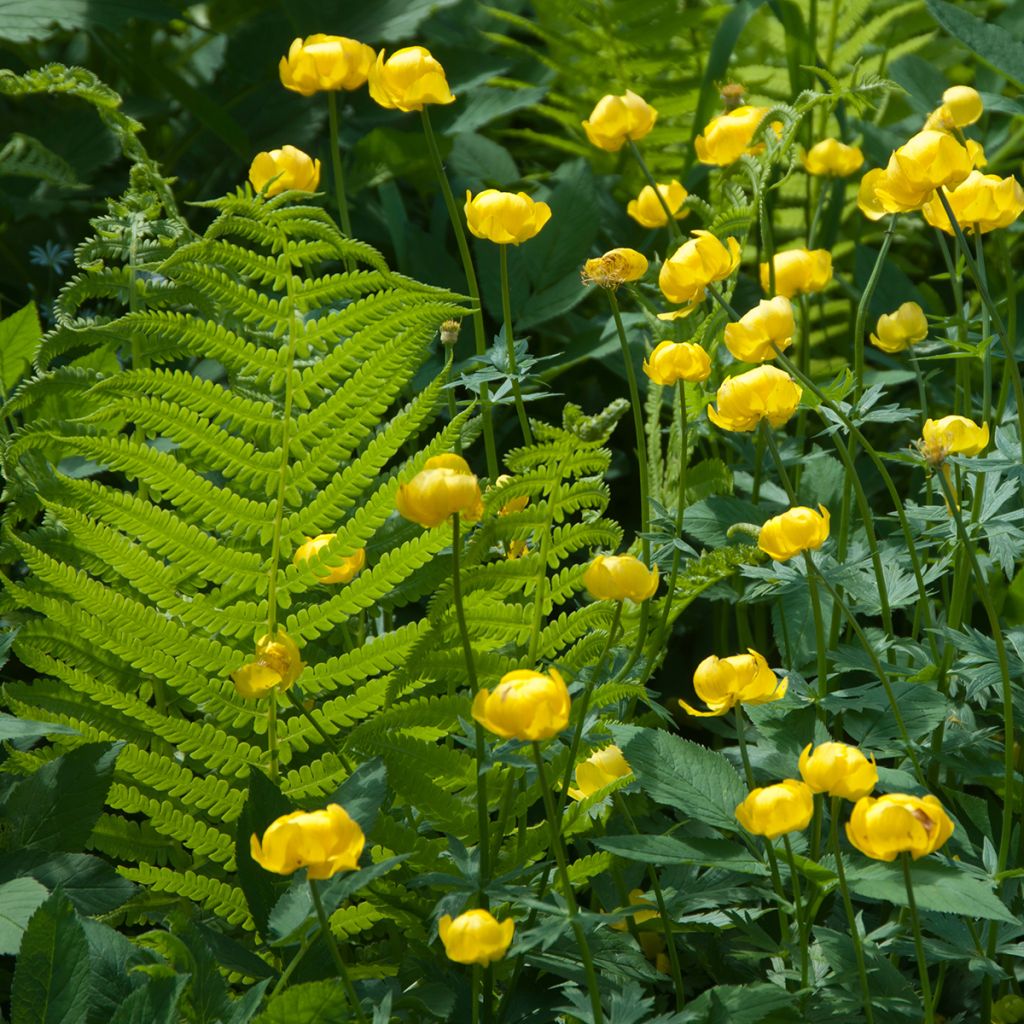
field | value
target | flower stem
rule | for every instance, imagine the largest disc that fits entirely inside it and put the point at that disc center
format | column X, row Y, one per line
column 922, row 963
column 339, row 177
column 678, row 525
column 860, row 322
column 819, row 627
column 510, row 345
column 328, row 935
column 802, row 925
column 475, row 994
column 673, row 225
column 272, row 751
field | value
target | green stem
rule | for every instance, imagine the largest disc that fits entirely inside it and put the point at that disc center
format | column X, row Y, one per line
column 339, row 177
column 678, row 525
column 475, row 994
column 819, row 627
column 286, row 974
column 510, row 346
column 329, row 740
column 673, row 225
column 860, row 322
column 328, row 935
column 802, row 925
column 922, row 962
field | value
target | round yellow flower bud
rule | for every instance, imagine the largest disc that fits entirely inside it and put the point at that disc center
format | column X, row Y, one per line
column 277, row 664
column 963, row 104
column 799, row 271
column 698, row 262
column 525, row 705
column 830, row 157
column 283, row 169
column 981, row 202
column 722, row 683
column 770, row 322
column 839, row 770
column 475, row 937
column 764, row 393
column 896, row 823
column 673, row 361
column 618, row 266
column 617, row 577
column 600, row 769
column 772, row 811
column 648, row 212
column 896, row 332
column 342, row 571
column 445, row 486
column 867, row 199
column 408, row 80
column 727, row 137
column 507, row 218
column 954, row 435
column 323, row 842
column 617, row 118
column 798, row 529
column 320, row 63
column 925, row 162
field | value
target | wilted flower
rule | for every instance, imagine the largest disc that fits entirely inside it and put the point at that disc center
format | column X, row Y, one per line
column 618, row 266
column 722, row 683
column 897, row 331
column 794, row 531
column 839, row 770
column 617, row 118
column 648, row 212
column 525, row 705
column 617, row 577
column 475, row 937
column 833, row 158
column 952, row 435
column 686, row 274
column 507, row 218
column 600, row 769
column 764, row 393
column 277, row 664
column 981, row 202
column 672, row 361
column 283, row 169
column 772, row 811
column 770, row 322
column 445, row 486
column 896, row 823
column 344, row 570
column 323, row 842
column 408, row 80
column 799, row 271
column 727, row 137
column 320, row 63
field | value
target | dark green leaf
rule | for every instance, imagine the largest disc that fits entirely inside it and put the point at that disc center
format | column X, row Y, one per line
column 17, row 729
column 319, row 1002
column 712, row 853
column 362, row 794
column 993, row 45
column 20, row 333
column 155, row 1003
column 21, row 20
column 92, row 884
column 19, row 900
column 112, row 959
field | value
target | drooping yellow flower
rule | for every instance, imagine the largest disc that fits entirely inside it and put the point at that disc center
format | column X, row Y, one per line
column 722, row 683
column 617, row 118
column 600, row 769
column 283, row 169
column 672, row 361
column 408, row 80
column 617, row 577
column 323, row 842
column 618, row 266
column 961, row 106
column 839, row 770
column 896, row 823
column 322, row 63
column 475, row 937
column 277, row 664
column 727, row 137
column 833, row 158
column 772, row 811
column 506, row 218
column 698, row 262
column 445, row 486
column 344, row 570
column 770, row 322
column 525, row 705
column 981, row 202
column 927, row 161
column 764, row 393
column 648, row 212
column 953, row 435
column 799, row 272
column 867, row 199
column 796, row 530
column 896, row 332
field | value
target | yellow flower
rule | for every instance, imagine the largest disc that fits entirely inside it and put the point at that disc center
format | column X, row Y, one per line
column 867, row 199
column 323, row 842
column 282, row 169
column 649, row 213
column 617, row 118
column 727, row 137
column 616, row 577
column 961, row 106
column 319, row 63
column 513, row 504
column 445, row 486
column 927, row 161
column 896, row 332
column 764, row 393
column 343, row 571
column 277, row 664
column 896, row 823
column 618, row 266
column 636, row 898
column 839, row 770
column 771, row 811
column 600, row 769
column 953, row 435
column 834, row 158
column 797, row 529
column 408, row 80
column 701, row 261
column 799, row 271
column 722, row 683
column 981, row 202
column 525, row 705
column 673, row 361
column 750, row 339
column 475, row 937
column 505, row 217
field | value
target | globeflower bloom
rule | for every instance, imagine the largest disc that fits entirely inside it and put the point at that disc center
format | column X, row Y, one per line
column 322, row 63
column 797, row 530
column 617, row 577
column 867, row 199
column 525, row 705
column 282, row 169
column 323, row 842
column 981, row 202
column 343, row 571
column 277, row 665
column 799, row 272
column 648, row 212
column 728, row 136
column 600, row 769
column 475, row 937
column 408, row 80
column 506, row 218
column 617, row 118
column 618, row 266
column 832, row 158
column 896, row 332
column 672, row 361
column 722, row 683
column 770, row 322
column 686, row 274
column 444, row 487
column 839, row 770
column 953, row 435
column 927, row 161
column 764, row 393
column 772, row 811
column 961, row 106
column 896, row 823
